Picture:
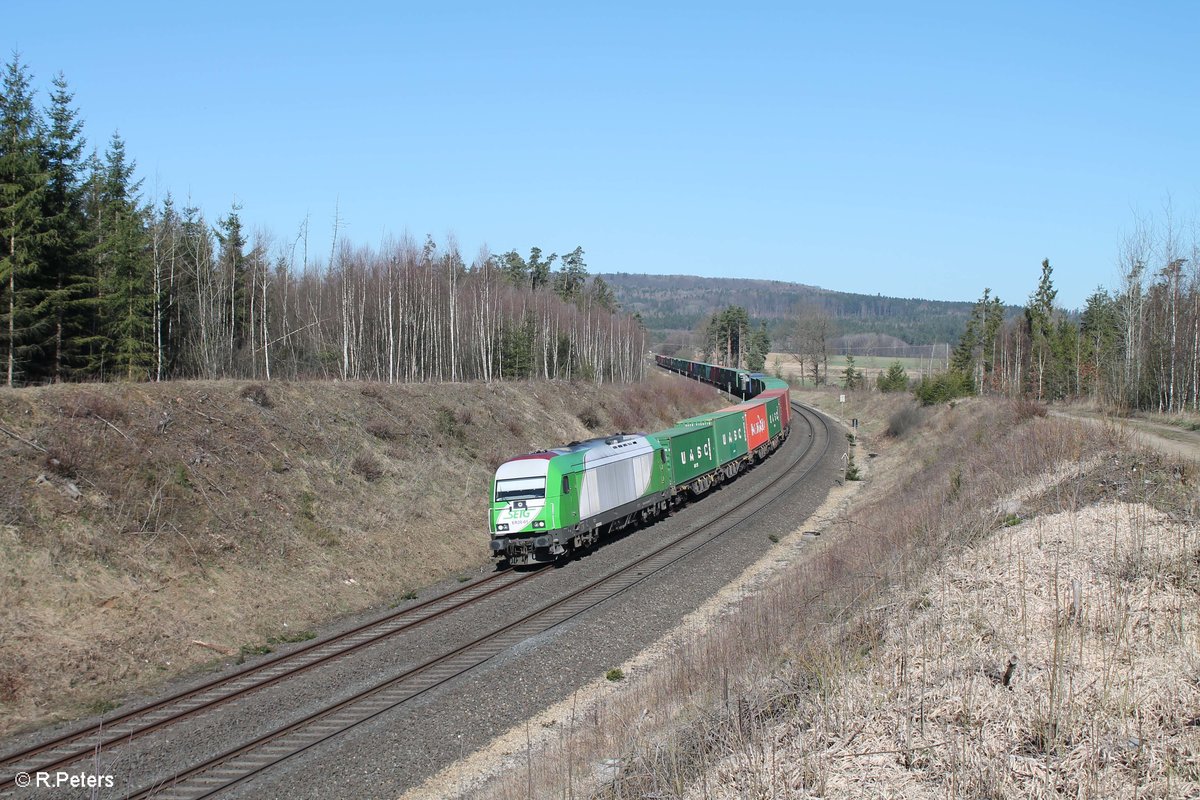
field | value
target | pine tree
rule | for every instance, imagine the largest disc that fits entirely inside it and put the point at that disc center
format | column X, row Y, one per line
column 975, row 353
column 760, row 345
column 232, row 266
column 539, row 270
column 68, row 282
column 514, row 268
column 851, row 377
column 571, row 277
column 895, row 379
column 22, row 228
column 725, row 335
column 602, row 295
column 1100, row 330
column 1039, row 315
column 127, row 305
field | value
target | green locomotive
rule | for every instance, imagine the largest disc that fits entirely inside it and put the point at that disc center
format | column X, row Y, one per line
column 549, row 503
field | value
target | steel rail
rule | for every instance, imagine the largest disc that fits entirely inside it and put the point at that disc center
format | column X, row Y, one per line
column 244, row 761
column 83, row 743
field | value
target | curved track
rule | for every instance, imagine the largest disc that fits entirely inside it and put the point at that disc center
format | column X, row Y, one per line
column 240, row 763
column 120, row 728
column 245, row 761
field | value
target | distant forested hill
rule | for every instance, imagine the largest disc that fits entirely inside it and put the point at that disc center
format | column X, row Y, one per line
column 681, row 302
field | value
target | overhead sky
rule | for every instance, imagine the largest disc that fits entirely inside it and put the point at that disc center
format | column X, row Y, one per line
column 907, row 149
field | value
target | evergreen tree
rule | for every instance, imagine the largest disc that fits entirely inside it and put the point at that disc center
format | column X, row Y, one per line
column 993, row 322
column 963, row 359
column 602, row 295
column 851, row 377
column 975, row 353
column 127, row 298
column 571, row 277
column 760, row 345
column 725, row 335
column 943, row 387
column 1064, row 349
column 1100, row 332
column 22, row 227
column 539, row 270
column 895, row 379
column 516, row 348
column 231, row 264
column 68, row 284
column 514, row 268
column 1039, row 316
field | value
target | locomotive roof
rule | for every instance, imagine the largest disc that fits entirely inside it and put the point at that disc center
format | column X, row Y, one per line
column 575, row 454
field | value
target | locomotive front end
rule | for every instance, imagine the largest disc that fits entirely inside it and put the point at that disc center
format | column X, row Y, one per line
column 527, row 510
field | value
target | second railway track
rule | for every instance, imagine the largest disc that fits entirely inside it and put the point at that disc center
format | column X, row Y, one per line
column 120, row 728
column 242, row 762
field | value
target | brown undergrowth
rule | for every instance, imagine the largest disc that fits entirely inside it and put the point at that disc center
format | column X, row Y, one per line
column 145, row 526
column 942, row 639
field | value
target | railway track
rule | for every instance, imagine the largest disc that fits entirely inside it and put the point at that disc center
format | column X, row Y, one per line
column 83, row 743
column 241, row 763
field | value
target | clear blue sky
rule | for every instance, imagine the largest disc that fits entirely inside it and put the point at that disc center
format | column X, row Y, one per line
column 917, row 150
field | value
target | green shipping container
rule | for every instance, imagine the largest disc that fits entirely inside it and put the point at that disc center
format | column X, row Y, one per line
column 690, row 451
column 774, row 420
column 729, row 433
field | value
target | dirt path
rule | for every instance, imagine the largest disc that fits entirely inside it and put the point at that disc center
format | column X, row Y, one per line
column 1166, row 438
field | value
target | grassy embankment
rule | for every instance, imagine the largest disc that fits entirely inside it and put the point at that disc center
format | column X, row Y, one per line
column 146, row 529
column 1009, row 609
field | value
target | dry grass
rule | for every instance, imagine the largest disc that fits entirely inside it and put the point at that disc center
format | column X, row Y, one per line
column 879, row 665
column 1057, row 659
column 136, row 519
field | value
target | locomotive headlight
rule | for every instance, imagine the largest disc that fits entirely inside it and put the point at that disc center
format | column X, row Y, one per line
column 503, row 526
column 538, row 524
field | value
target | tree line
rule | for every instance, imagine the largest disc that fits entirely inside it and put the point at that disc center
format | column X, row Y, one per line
column 96, row 283
column 1133, row 347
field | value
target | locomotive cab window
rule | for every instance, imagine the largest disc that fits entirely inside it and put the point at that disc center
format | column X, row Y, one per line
column 521, row 489
column 566, row 489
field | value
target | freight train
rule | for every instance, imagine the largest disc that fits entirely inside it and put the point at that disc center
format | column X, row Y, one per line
column 548, row 504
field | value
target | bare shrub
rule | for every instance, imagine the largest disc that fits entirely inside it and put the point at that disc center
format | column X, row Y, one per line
column 625, row 420
column 1026, row 409
column 367, row 465
column 96, row 405
column 904, row 420
column 463, row 416
column 514, row 426
column 447, row 424
column 495, row 457
column 382, row 429
column 257, row 393
column 590, row 419
column 9, row 684
column 62, row 461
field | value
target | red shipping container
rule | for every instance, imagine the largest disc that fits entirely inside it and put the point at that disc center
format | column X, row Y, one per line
column 785, row 409
column 756, row 422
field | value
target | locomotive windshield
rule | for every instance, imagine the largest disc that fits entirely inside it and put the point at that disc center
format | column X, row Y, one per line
column 520, row 489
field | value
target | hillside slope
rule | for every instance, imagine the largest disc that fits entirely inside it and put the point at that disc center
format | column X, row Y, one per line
column 137, row 520
column 681, row 302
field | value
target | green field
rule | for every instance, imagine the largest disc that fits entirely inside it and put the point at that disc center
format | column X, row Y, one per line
column 872, row 366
